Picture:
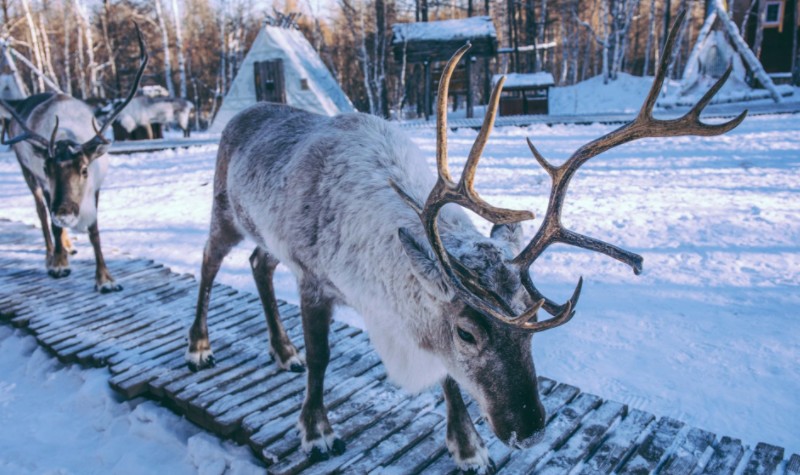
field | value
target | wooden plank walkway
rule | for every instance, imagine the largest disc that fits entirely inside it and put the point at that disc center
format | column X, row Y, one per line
column 139, row 335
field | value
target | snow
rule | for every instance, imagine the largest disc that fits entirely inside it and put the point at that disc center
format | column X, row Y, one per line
column 626, row 93
column 517, row 80
column 444, row 30
column 66, row 419
column 707, row 334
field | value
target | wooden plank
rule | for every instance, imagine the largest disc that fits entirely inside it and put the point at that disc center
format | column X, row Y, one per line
column 726, row 456
column 585, row 439
column 395, row 445
column 275, row 422
column 619, row 443
column 688, row 453
column 793, row 465
column 361, row 426
column 764, row 460
column 654, row 448
column 558, row 430
column 227, row 414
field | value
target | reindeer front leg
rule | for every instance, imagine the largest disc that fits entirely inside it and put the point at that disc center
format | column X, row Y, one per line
column 465, row 445
column 104, row 283
column 42, row 200
column 58, row 262
column 317, row 436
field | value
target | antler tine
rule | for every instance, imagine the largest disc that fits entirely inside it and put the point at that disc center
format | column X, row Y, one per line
column 644, row 125
column 441, row 113
column 51, row 148
column 27, row 133
column 466, row 191
column 143, row 58
column 98, row 133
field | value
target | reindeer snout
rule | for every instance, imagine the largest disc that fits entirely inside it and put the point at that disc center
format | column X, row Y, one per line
column 522, row 428
column 66, row 215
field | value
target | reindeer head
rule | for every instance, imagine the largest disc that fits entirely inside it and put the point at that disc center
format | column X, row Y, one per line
column 67, row 163
column 488, row 302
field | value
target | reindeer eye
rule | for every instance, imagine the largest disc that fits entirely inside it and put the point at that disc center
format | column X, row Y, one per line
column 465, row 335
column 85, row 172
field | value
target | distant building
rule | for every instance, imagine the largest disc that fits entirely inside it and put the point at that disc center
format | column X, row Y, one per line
column 779, row 28
column 282, row 67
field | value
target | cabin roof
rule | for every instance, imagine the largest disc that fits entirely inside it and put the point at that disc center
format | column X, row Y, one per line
column 438, row 40
column 525, row 80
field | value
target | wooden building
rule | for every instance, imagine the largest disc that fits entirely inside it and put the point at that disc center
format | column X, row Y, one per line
column 779, row 27
column 432, row 42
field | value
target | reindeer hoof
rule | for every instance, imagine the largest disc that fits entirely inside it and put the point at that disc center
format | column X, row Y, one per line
column 59, row 272
column 294, row 363
column 107, row 288
column 198, row 360
column 297, row 368
column 491, row 469
column 319, row 454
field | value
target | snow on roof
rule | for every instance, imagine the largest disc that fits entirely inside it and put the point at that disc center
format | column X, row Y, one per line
column 445, row 30
column 521, row 80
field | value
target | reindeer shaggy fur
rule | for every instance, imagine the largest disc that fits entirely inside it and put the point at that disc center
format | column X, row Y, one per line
column 313, row 193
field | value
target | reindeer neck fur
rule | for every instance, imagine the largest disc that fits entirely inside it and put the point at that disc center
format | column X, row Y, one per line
column 315, row 192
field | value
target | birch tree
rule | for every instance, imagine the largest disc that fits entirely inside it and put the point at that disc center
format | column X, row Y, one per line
column 179, row 43
column 165, row 44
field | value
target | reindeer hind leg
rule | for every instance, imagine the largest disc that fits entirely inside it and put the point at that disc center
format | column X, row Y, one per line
column 282, row 350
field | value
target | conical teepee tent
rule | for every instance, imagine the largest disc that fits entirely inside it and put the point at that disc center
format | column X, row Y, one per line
column 305, row 83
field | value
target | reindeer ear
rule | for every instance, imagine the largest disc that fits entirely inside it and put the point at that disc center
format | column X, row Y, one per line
column 424, row 265
column 95, row 149
column 510, row 233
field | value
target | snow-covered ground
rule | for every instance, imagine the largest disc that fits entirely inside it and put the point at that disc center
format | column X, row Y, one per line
column 708, row 333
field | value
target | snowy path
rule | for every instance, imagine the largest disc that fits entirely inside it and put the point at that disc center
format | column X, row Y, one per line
column 708, row 334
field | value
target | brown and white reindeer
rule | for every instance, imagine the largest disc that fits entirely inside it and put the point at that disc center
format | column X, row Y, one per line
column 63, row 158
column 346, row 203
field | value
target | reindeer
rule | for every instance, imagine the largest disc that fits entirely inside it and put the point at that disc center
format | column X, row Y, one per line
column 349, row 205
column 65, row 172
column 144, row 111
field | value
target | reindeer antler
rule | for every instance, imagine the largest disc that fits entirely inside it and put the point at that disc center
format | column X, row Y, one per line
column 143, row 58
column 27, row 133
column 644, row 125
column 551, row 231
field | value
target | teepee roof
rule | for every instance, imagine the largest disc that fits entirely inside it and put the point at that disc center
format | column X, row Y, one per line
column 308, row 83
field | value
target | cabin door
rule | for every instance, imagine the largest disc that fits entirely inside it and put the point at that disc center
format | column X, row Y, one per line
column 270, row 85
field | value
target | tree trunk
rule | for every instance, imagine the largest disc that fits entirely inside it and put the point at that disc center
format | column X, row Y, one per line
column 34, row 45
column 223, row 53
column 179, row 43
column 380, row 58
column 80, row 59
column 110, row 49
column 162, row 25
column 94, row 86
column 651, row 29
column 67, row 73
column 762, row 8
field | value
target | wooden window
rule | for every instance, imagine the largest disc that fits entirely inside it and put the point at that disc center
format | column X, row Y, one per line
column 304, row 84
column 773, row 14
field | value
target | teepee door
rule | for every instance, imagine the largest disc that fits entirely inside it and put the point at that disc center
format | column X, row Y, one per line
column 270, row 85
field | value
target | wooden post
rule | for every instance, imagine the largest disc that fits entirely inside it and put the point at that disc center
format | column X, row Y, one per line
column 428, row 92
